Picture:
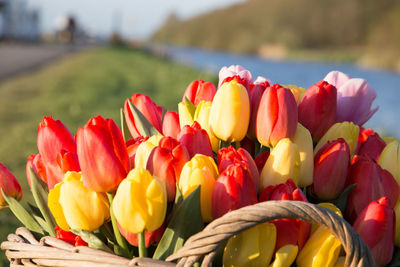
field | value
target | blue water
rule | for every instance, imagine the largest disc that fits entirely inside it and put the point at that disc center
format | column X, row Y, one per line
column 386, row 84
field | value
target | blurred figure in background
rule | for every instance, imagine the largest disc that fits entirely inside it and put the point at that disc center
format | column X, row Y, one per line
column 66, row 29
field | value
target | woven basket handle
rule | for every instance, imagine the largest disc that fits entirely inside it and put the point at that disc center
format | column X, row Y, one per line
column 208, row 241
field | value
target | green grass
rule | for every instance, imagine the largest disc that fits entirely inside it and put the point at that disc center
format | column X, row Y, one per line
column 73, row 90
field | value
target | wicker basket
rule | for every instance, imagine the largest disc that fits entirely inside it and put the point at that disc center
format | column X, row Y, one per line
column 22, row 249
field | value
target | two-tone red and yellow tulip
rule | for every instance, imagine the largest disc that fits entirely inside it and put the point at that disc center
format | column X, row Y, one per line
column 370, row 143
column 282, row 164
column 140, row 203
column 276, row 116
column 304, row 143
column 233, row 189
column 75, row 206
column 371, row 183
column 57, row 149
column 170, row 125
column 10, row 185
column 317, row 109
column 144, row 149
column 102, row 154
column 390, row 159
column 149, row 109
column 256, row 92
column 289, row 231
column 376, row 226
column 331, row 167
column 202, row 116
column 196, row 140
column 166, row 162
column 198, row 91
column 322, row 248
column 252, row 247
column 346, row 130
column 230, row 112
column 202, row 171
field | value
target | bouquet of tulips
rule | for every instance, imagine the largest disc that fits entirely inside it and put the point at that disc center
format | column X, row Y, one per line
column 143, row 188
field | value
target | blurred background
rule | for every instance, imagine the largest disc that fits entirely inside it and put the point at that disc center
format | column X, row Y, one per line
column 79, row 58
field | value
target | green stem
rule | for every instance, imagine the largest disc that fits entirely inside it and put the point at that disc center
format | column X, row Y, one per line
column 120, row 239
column 142, row 245
column 223, row 143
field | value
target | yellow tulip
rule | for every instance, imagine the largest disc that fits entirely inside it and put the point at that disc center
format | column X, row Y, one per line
column 186, row 113
column 298, row 92
column 389, row 139
column 144, row 149
column 230, row 112
column 202, row 116
column 390, row 159
column 346, row 130
column 140, row 203
column 74, row 206
column 200, row 170
column 397, row 227
column 285, row 256
column 322, row 248
column 253, row 247
column 282, row 164
column 304, row 143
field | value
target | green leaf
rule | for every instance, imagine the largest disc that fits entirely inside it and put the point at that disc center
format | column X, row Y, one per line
column 40, row 194
column 341, row 201
column 396, row 258
column 92, row 240
column 22, row 215
column 124, row 128
column 144, row 127
column 185, row 222
column 178, row 196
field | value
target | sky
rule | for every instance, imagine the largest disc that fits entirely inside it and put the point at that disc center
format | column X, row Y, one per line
column 134, row 18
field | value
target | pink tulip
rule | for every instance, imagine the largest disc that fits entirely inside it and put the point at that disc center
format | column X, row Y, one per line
column 317, row 109
column 170, row 125
column 9, row 184
column 354, row 98
column 102, row 154
column 198, row 91
column 196, row 140
column 148, row 108
column 234, row 70
column 376, row 225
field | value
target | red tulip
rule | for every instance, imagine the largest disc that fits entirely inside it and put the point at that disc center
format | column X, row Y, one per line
column 261, row 159
column 276, row 116
column 69, row 237
column 10, row 186
column 288, row 231
column 248, row 145
column 331, row 165
column 370, row 143
column 233, row 189
column 35, row 162
column 148, row 108
column 198, row 91
column 57, row 149
column 376, row 225
column 166, row 162
column 171, row 126
column 131, row 146
column 256, row 92
column 102, row 154
column 317, row 109
column 229, row 155
column 371, row 183
column 149, row 237
column 196, row 140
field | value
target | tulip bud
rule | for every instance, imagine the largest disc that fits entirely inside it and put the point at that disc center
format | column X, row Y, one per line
column 256, row 93
column 252, row 247
column 285, row 256
column 317, row 109
column 198, row 91
column 346, row 130
column 147, row 107
column 140, row 203
column 171, row 126
column 282, row 164
column 102, row 154
column 321, row 249
column 276, row 116
column 304, row 143
column 132, row 146
column 234, row 70
column 77, row 207
column 331, row 165
column 9, row 184
column 390, row 159
column 233, row 189
column 375, row 224
column 200, row 170
column 230, row 112
column 196, row 140
column 229, row 155
column 371, row 183
column 186, row 113
column 166, row 162
column 370, row 143
column 202, row 116
column 289, row 231
column 144, row 149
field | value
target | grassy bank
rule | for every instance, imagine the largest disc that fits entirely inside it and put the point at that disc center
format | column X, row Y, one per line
column 75, row 89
